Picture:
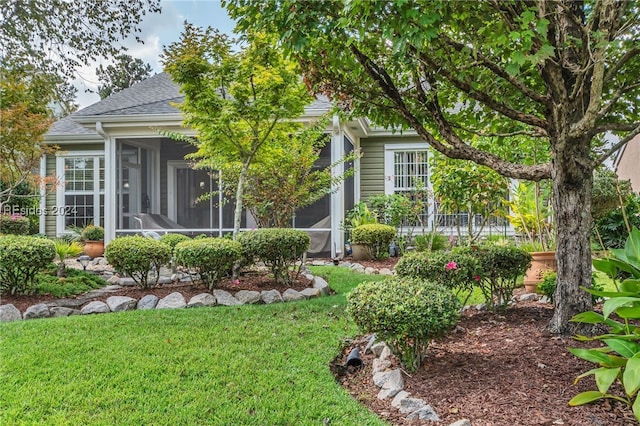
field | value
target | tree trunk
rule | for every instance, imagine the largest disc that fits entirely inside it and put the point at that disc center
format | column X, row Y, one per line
column 237, row 215
column 572, row 188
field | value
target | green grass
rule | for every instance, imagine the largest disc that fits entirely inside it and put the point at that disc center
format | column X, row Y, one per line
column 248, row 365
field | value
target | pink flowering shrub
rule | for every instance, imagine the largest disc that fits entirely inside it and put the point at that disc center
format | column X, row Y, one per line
column 14, row 224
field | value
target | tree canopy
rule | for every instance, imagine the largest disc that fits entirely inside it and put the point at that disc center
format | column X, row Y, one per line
column 240, row 103
column 60, row 36
column 563, row 73
column 124, row 73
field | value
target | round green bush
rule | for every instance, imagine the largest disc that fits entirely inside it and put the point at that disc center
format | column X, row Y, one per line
column 406, row 313
column 21, row 257
column 173, row 239
column 92, row 233
column 501, row 266
column 375, row 235
column 278, row 248
column 457, row 269
column 136, row 256
column 15, row 224
column 211, row 257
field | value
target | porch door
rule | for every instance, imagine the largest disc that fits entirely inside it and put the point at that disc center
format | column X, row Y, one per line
column 184, row 194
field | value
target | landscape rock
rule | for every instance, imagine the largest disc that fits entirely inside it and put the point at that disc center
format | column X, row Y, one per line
column 398, row 398
column 225, row 298
column 528, row 297
column 308, row 276
column 271, row 296
column 377, row 348
column 410, row 405
column 174, row 300
column 389, row 379
column 380, row 365
column 321, row 285
column 37, row 311
column 424, row 413
column 111, row 288
column 9, row 313
column 370, row 342
column 67, row 303
column 370, row 271
column 202, row 299
column 127, row 282
column 385, row 271
column 150, row 301
column 291, row 295
column 311, row 293
column 248, row 297
column 95, row 307
column 121, row 303
column 114, row 280
column 61, row 311
column 544, row 300
column 357, row 267
column 346, row 264
column 386, row 353
column 164, row 280
column 462, row 422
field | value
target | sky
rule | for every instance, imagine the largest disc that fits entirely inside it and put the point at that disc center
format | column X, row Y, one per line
column 158, row 30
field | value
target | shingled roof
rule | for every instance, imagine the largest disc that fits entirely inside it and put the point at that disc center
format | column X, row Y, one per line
column 151, row 96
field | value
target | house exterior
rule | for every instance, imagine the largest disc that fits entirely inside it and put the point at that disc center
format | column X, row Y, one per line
column 627, row 163
column 117, row 171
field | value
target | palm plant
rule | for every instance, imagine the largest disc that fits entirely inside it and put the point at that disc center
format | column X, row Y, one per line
column 65, row 249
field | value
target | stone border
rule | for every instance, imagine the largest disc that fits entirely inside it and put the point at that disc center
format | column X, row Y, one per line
column 175, row 300
column 391, row 385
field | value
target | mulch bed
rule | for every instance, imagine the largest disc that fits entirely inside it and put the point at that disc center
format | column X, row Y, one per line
column 496, row 371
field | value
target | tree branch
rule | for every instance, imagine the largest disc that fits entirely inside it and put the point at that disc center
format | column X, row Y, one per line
column 632, row 134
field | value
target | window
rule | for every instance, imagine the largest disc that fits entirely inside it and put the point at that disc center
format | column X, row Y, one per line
column 81, row 196
column 406, row 171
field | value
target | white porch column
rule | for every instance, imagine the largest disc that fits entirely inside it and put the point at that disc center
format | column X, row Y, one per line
column 110, row 163
column 337, row 196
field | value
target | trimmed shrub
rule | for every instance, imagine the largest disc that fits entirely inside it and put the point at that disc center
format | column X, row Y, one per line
column 549, row 283
column 136, row 256
column 277, row 248
column 406, row 313
column 21, row 257
column 92, row 233
column 501, row 266
column 376, row 236
column 173, row 239
column 211, row 257
column 457, row 269
column 14, row 224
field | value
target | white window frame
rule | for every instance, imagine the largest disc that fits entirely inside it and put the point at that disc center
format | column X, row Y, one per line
column 62, row 192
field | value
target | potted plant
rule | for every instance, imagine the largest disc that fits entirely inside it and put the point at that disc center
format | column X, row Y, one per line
column 531, row 217
column 359, row 215
column 93, row 238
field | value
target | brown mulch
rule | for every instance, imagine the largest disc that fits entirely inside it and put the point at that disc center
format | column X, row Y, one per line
column 255, row 281
column 496, row 371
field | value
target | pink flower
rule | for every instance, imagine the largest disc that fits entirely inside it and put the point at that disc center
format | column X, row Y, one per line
column 477, row 278
column 451, row 265
column 236, row 282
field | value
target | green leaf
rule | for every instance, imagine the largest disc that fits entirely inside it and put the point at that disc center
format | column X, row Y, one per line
column 606, row 266
column 592, row 355
column 623, row 347
column 636, row 408
column 588, row 317
column 630, row 285
column 585, row 398
column 612, row 304
column 605, row 378
column 628, row 312
column 631, row 375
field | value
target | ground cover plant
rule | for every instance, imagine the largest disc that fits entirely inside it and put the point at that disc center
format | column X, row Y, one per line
column 239, row 365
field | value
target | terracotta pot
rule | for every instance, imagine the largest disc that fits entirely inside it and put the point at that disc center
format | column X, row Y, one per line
column 541, row 262
column 94, row 248
column 360, row 252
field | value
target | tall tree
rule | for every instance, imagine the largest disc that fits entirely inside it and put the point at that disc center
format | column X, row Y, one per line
column 562, row 71
column 240, row 103
column 124, row 73
column 24, row 118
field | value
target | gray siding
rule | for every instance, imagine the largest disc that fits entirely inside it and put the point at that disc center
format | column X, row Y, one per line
column 372, row 163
